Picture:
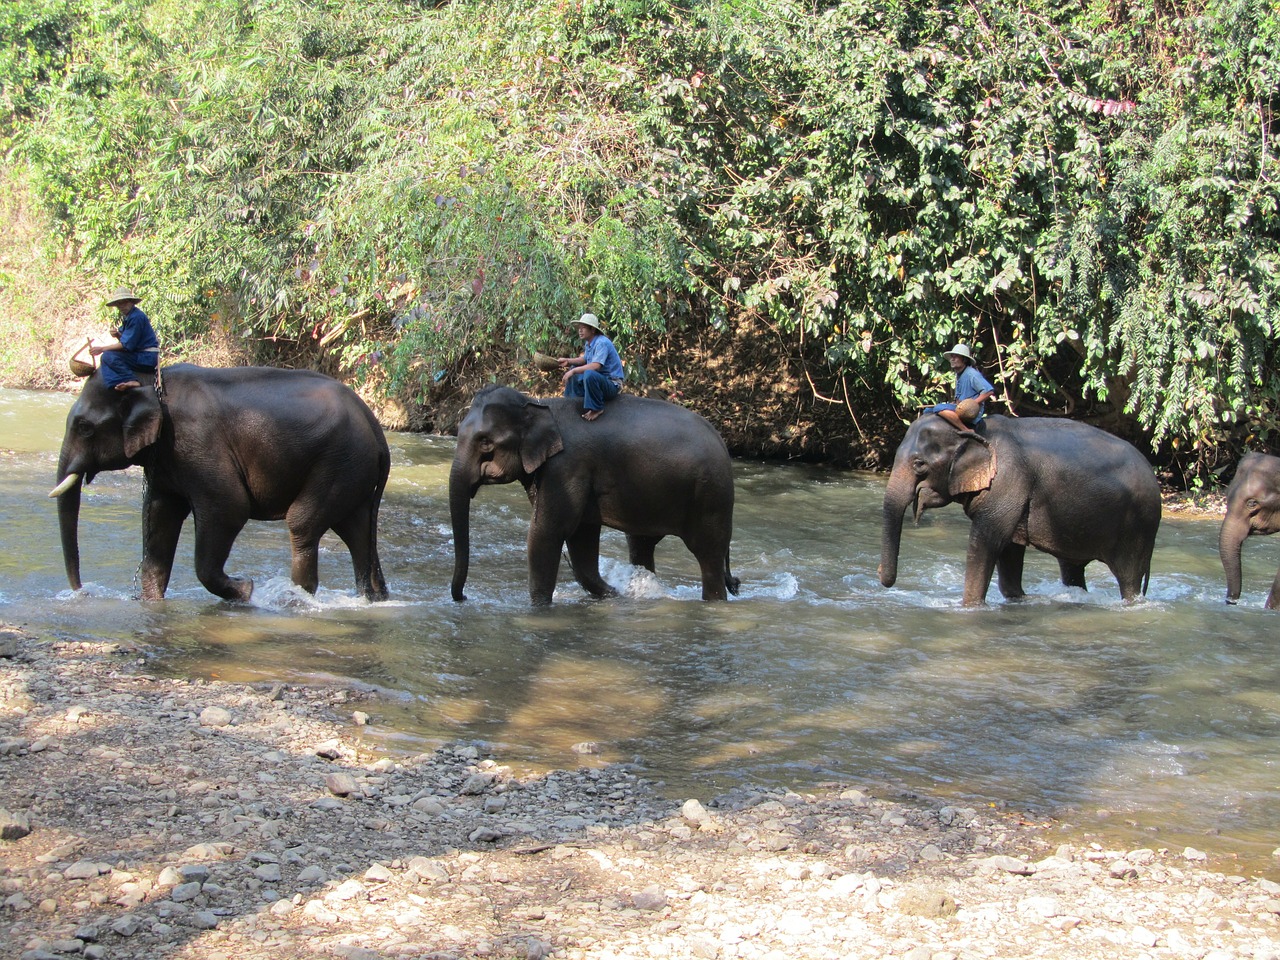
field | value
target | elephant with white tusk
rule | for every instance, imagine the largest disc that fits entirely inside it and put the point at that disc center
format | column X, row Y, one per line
column 229, row 446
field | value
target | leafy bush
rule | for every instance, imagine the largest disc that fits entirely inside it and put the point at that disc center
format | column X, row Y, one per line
column 1086, row 192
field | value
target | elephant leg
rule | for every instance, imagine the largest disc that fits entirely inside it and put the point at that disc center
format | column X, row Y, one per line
column 1273, row 598
column 1009, row 571
column 711, row 550
column 307, row 518
column 360, row 533
column 1132, row 573
column 640, row 550
column 980, row 564
column 304, row 570
column 162, row 519
column 214, row 539
column 584, row 558
column 544, row 565
column 715, row 578
column 1073, row 574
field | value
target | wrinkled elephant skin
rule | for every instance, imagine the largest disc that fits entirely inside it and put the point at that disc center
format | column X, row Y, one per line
column 229, row 446
column 649, row 468
column 1065, row 488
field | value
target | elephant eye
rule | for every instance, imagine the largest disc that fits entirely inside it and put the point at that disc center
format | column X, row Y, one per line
column 1251, row 504
column 84, row 428
column 919, row 465
column 485, row 444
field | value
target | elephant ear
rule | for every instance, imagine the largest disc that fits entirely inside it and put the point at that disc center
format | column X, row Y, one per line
column 142, row 418
column 973, row 468
column 541, row 436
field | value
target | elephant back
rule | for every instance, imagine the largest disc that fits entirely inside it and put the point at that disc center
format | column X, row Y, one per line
column 632, row 422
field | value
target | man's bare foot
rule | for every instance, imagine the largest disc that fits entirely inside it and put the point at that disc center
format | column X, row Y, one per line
column 127, row 385
column 592, row 415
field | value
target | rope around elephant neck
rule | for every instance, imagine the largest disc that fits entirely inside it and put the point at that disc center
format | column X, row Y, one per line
column 146, row 523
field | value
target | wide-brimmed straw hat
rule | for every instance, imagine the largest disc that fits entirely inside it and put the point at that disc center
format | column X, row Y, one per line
column 591, row 321
column 120, row 295
column 960, row 350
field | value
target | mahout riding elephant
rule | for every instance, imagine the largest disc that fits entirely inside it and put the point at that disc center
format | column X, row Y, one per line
column 1253, row 509
column 1065, row 488
column 650, row 469
column 228, row 446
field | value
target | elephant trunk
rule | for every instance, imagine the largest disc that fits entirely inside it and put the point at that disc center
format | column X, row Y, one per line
column 900, row 494
column 1230, row 538
column 461, row 490
column 68, row 493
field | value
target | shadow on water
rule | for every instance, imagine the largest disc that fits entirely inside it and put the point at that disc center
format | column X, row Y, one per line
column 1155, row 722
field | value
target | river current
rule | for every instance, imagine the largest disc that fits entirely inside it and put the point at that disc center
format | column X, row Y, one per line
column 1151, row 724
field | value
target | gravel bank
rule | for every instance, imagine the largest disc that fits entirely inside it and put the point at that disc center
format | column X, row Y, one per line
column 149, row 818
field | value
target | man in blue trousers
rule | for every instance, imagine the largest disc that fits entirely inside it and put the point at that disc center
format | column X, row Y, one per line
column 135, row 347
column 597, row 374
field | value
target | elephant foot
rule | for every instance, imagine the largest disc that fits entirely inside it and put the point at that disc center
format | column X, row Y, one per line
column 236, row 589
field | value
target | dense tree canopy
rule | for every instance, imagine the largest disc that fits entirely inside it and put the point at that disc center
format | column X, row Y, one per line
column 1086, row 190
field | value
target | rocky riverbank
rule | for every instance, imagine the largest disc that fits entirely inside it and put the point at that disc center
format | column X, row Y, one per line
column 152, row 818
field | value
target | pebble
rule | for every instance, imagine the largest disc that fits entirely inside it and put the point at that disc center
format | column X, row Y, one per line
column 215, row 717
column 13, row 826
column 341, row 784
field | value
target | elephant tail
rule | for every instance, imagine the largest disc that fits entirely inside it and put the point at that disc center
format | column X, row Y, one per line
column 376, row 586
column 731, row 582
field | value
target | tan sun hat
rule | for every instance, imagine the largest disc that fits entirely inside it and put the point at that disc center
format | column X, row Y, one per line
column 960, row 350
column 120, row 295
column 591, row 321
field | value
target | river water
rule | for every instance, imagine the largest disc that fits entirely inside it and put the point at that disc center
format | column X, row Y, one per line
column 1155, row 724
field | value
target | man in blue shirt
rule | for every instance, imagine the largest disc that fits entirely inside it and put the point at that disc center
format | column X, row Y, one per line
column 135, row 347
column 972, row 391
column 597, row 374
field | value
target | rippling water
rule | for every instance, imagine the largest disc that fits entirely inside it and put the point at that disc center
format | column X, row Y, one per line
column 1156, row 723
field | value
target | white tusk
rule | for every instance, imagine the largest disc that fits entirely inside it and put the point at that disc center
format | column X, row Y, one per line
column 64, row 486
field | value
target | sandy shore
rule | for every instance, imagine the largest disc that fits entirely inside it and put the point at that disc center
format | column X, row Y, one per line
column 153, row 818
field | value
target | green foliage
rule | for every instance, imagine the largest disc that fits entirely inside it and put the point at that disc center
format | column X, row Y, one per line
column 35, row 36
column 1086, row 192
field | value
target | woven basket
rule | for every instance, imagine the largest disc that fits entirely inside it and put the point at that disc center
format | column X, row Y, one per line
column 81, row 361
column 544, row 362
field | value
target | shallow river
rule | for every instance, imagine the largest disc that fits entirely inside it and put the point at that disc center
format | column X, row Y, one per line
column 1155, row 724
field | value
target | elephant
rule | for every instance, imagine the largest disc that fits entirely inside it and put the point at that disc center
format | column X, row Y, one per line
column 1066, row 488
column 1253, row 509
column 649, row 468
column 227, row 446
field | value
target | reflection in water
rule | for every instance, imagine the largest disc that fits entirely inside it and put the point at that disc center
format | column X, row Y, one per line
column 1157, row 722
